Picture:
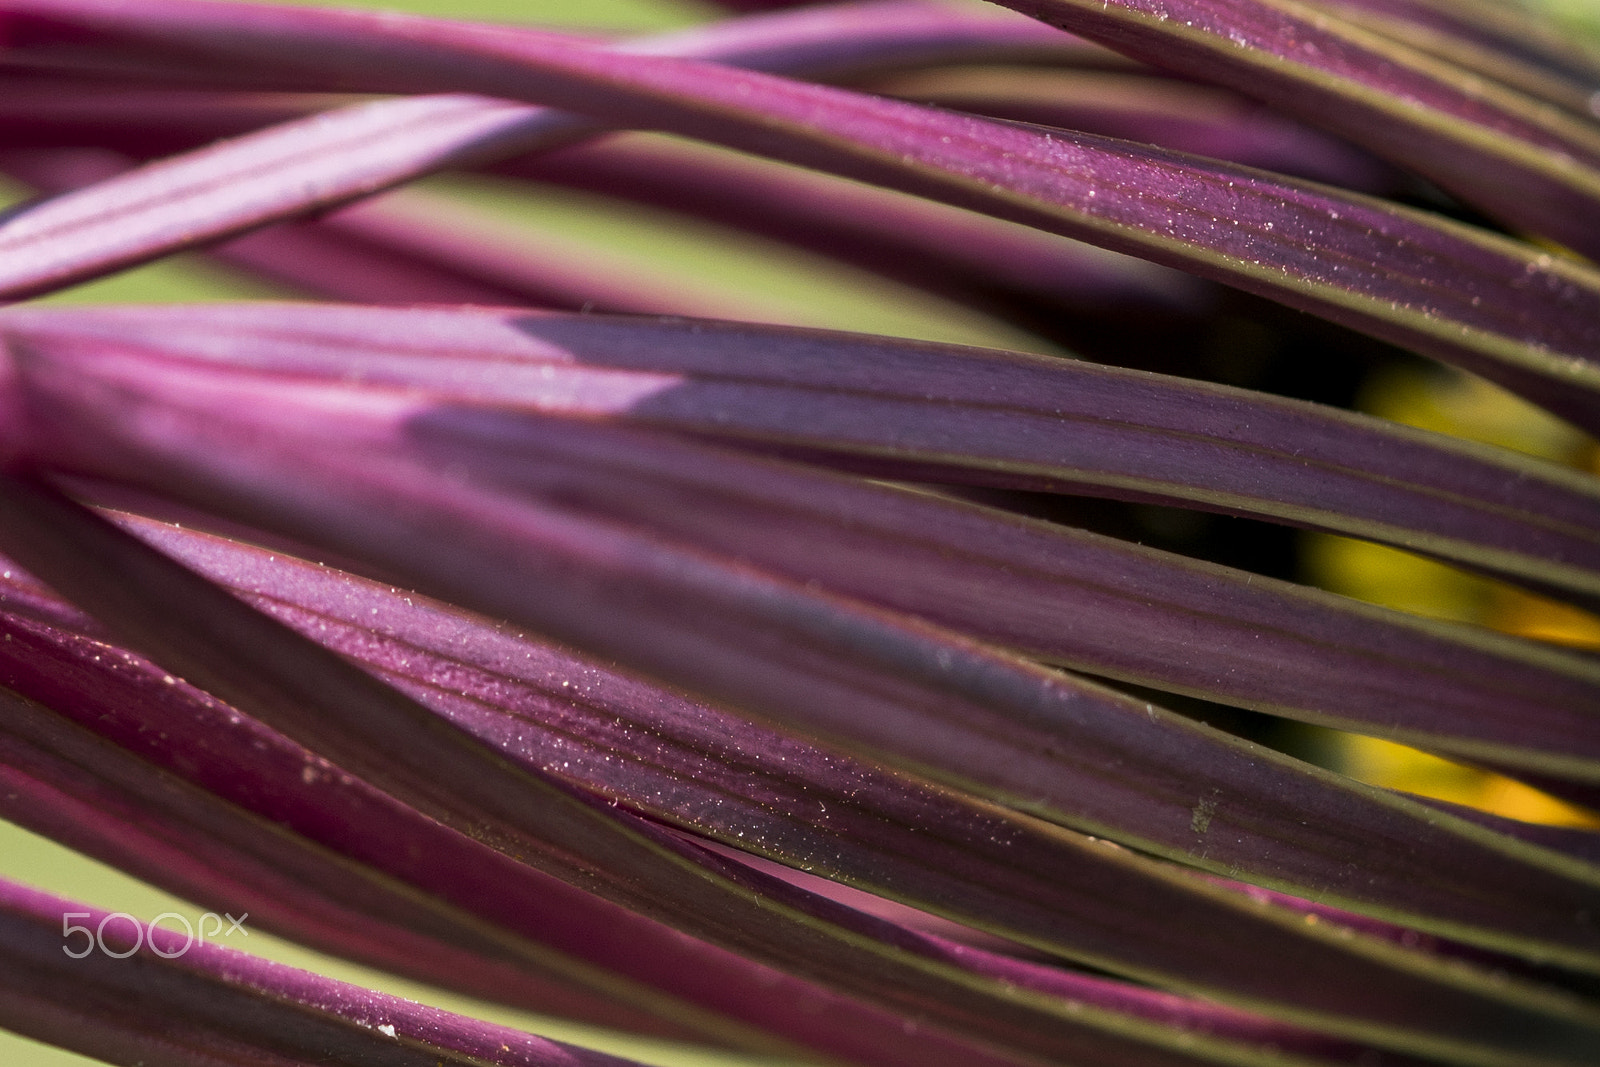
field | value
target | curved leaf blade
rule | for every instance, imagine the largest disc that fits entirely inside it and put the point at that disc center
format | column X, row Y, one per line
column 913, row 410
column 1525, row 319
column 832, row 667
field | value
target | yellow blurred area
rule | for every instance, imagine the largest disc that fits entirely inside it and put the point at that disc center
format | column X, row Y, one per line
column 1393, row 766
column 1450, row 402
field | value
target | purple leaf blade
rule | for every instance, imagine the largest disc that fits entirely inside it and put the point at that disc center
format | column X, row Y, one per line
column 540, row 928
column 1507, row 30
column 204, row 1005
column 1152, row 110
column 595, row 846
column 817, row 811
column 831, row 667
column 1520, row 317
column 1501, row 60
column 99, row 799
column 1527, row 163
column 1026, row 586
column 914, row 410
column 873, row 792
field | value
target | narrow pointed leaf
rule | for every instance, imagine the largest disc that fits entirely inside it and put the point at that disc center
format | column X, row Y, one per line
column 511, row 925
column 1506, row 28
column 632, row 862
column 816, row 810
column 1499, row 60
column 88, row 793
column 51, row 772
column 1059, row 595
column 1523, row 318
column 1529, row 164
column 1152, row 110
column 918, row 411
column 888, row 683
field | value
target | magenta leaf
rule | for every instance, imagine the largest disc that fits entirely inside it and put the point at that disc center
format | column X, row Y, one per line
column 1527, row 163
column 242, row 768
column 939, row 704
column 628, row 689
column 374, row 731
column 1523, row 318
column 913, row 410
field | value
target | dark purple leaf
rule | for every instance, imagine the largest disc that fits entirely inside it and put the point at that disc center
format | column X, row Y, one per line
column 887, row 683
column 1153, row 110
column 1525, row 162
column 691, row 764
column 375, row 731
column 62, row 782
column 921, row 411
column 1504, row 28
column 96, row 797
column 1524, row 69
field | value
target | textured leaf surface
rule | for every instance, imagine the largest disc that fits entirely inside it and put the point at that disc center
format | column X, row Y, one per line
column 652, row 750
column 387, row 885
column 1521, row 317
column 375, row 731
column 917, row 410
column 833, row 667
column 1524, row 161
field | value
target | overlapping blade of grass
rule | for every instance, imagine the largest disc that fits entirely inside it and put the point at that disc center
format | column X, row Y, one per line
column 674, row 759
column 61, row 780
column 1522, row 317
column 887, row 683
column 378, row 733
column 1527, row 163
column 1515, row 29
column 646, row 748
column 1495, row 58
column 914, row 410
column 1154, row 110
column 361, row 863
column 158, row 998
